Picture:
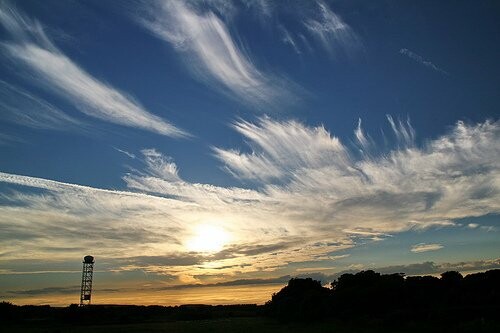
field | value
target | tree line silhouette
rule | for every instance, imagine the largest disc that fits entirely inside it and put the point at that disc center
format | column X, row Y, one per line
column 369, row 295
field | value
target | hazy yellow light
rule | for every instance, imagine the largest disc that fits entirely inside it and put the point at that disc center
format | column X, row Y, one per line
column 208, row 238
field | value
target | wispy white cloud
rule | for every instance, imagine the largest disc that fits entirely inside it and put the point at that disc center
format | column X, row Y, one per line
column 305, row 42
column 408, row 187
column 129, row 154
column 362, row 139
column 422, row 247
column 288, row 39
column 333, row 32
column 160, row 166
column 280, row 148
column 312, row 197
column 156, row 229
column 489, row 228
column 417, row 58
column 211, row 52
column 264, row 7
column 34, row 50
column 227, row 9
column 24, row 108
column 404, row 132
column 81, row 216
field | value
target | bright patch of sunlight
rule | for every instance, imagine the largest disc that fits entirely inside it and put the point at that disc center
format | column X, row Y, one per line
column 208, row 238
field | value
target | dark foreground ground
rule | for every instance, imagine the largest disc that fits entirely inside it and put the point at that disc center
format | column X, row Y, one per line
column 254, row 324
column 229, row 318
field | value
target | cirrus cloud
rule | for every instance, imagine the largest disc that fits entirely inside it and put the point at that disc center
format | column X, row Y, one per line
column 32, row 49
column 312, row 197
column 212, row 54
column 423, row 247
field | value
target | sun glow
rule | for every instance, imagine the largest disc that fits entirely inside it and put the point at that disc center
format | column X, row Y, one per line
column 208, row 238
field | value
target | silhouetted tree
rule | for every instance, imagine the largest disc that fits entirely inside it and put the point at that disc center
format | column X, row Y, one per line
column 393, row 297
column 452, row 277
column 366, row 293
column 301, row 300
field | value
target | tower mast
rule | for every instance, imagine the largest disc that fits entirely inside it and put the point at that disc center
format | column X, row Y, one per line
column 87, row 272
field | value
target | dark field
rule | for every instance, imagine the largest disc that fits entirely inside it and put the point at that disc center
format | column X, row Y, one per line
column 256, row 324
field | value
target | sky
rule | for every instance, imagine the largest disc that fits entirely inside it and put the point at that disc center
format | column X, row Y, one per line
column 208, row 151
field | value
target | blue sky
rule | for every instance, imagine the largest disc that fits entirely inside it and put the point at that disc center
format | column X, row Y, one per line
column 219, row 140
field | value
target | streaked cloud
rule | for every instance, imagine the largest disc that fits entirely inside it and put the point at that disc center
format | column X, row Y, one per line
column 211, row 53
column 332, row 31
column 489, row 228
column 32, row 49
column 403, row 131
column 312, row 197
column 406, row 187
column 81, row 216
column 44, row 291
column 280, row 148
column 160, row 166
column 264, row 7
column 423, row 247
column 22, row 107
column 419, row 59
column 129, row 154
column 363, row 141
column 288, row 39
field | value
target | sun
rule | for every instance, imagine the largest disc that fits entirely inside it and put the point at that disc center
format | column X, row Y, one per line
column 208, row 238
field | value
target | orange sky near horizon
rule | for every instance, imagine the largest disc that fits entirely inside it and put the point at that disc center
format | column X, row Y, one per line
column 213, row 295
